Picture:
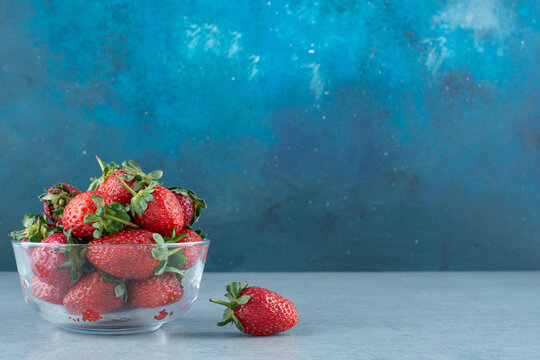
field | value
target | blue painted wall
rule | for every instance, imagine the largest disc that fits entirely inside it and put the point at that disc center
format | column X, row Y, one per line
column 336, row 135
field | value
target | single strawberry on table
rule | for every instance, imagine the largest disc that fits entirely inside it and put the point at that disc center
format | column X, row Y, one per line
column 156, row 291
column 257, row 311
column 47, row 292
column 55, row 200
column 94, row 295
column 92, row 213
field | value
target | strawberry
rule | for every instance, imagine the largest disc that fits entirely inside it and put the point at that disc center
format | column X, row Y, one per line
column 106, row 171
column 114, row 188
column 129, row 262
column 95, row 294
column 157, row 291
column 191, row 204
column 155, row 208
column 91, row 213
column 46, row 292
column 257, row 311
column 134, row 260
column 130, row 172
column 192, row 252
column 57, row 267
column 35, row 229
column 55, row 199
column 163, row 213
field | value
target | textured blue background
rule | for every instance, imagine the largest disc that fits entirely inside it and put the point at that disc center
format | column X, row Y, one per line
column 337, row 135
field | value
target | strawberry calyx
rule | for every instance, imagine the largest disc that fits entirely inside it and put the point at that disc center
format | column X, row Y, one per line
column 198, row 232
column 106, row 171
column 171, row 260
column 110, row 218
column 35, row 229
column 132, row 171
column 75, row 257
column 198, row 203
column 56, row 199
column 120, row 290
column 141, row 198
column 233, row 295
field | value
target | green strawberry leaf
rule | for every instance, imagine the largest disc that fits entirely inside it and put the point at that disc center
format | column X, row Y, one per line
column 238, row 323
column 98, row 200
column 28, row 220
column 224, row 322
column 117, row 207
column 120, row 291
column 173, row 269
column 234, row 288
column 89, row 218
column 242, row 300
column 158, row 238
column 155, row 175
column 177, row 260
column 160, row 253
column 160, row 269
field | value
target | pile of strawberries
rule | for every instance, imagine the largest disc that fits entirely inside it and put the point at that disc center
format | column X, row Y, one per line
column 123, row 206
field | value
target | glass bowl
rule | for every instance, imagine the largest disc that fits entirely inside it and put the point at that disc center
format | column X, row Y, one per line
column 88, row 298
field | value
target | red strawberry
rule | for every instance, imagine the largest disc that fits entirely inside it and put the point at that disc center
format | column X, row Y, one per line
column 91, row 213
column 163, row 214
column 46, row 292
column 96, row 294
column 131, row 173
column 114, row 188
column 44, row 260
column 75, row 211
column 187, row 206
column 124, row 261
column 257, row 311
column 106, row 170
column 155, row 292
column 55, row 199
column 155, row 208
column 192, row 252
column 35, row 229
column 191, row 204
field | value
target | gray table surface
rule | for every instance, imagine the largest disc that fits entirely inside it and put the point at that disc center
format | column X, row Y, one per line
column 342, row 316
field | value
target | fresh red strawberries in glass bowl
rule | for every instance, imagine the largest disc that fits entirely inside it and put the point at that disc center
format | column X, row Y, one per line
column 120, row 258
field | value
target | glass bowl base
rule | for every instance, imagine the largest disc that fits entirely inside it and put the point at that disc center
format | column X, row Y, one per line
column 117, row 330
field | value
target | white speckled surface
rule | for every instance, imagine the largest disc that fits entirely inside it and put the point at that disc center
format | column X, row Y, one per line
column 342, row 316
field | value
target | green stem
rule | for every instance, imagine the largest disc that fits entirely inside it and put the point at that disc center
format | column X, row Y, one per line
column 171, row 252
column 122, row 221
column 125, row 185
column 39, row 229
column 220, row 302
column 100, row 164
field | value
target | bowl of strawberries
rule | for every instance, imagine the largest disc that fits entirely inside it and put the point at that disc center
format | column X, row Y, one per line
column 119, row 258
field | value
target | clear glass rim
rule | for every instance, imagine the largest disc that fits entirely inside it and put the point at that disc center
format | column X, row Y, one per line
column 25, row 244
